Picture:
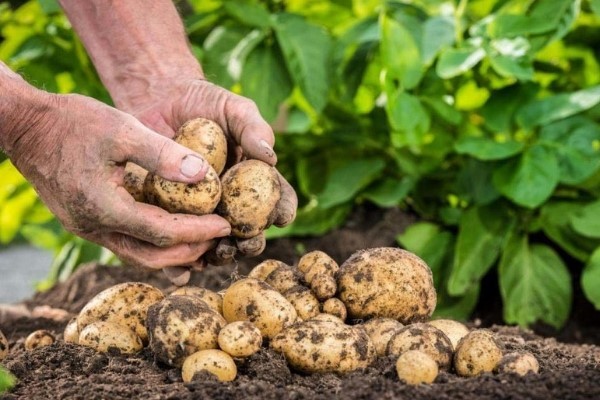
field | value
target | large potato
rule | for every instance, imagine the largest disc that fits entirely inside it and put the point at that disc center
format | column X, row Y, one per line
column 206, row 138
column 125, row 304
column 251, row 189
column 181, row 325
column 3, row 346
column 320, row 346
column 387, row 282
column 253, row 300
column 103, row 336
column 425, row 338
column 476, row 353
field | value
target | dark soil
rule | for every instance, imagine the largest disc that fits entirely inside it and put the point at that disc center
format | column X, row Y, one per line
column 65, row 371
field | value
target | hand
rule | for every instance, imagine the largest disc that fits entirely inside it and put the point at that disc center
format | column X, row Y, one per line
column 74, row 155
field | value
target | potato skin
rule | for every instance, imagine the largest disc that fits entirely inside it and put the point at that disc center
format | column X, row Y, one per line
column 381, row 330
column 125, row 304
column 283, row 278
column 181, row 325
column 212, row 299
column 253, row 300
column 262, row 270
column 520, row 363
column 335, row 306
column 319, row 271
column 240, row 339
column 387, row 282
column 133, row 181
column 206, row 138
column 423, row 337
column 453, row 329
column 71, row 332
column 476, row 353
column 103, row 336
column 217, row 362
column 304, row 301
column 320, row 346
column 3, row 346
column 251, row 190
column 415, row 367
column 39, row 338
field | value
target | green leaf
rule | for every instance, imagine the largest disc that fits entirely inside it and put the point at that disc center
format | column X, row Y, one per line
column 535, row 284
column 7, row 381
column 481, row 234
column 14, row 211
column 218, row 47
column 470, row 96
column 486, row 149
column 430, row 242
column 590, row 279
column 389, row 192
column 458, row 308
column 553, row 108
column 347, row 179
column 587, row 220
column 240, row 52
column 474, row 182
column 306, row 49
column 400, row 53
column 454, row 62
column 595, row 5
column 270, row 93
column 409, row 119
column 438, row 33
column 49, row 6
column 529, row 179
column 443, row 110
column 251, row 14
column 520, row 68
column 41, row 236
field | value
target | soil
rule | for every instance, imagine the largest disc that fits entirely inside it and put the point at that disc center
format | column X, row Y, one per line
column 67, row 371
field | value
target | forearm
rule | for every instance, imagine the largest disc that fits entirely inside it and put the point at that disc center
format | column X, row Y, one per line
column 136, row 45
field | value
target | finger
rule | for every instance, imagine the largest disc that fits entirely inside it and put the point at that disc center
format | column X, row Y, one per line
column 253, row 246
column 179, row 276
column 285, row 209
column 223, row 254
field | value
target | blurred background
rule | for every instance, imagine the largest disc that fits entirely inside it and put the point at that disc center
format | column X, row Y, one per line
column 479, row 118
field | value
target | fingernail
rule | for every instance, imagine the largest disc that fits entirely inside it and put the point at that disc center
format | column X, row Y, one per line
column 267, row 148
column 225, row 231
column 191, row 165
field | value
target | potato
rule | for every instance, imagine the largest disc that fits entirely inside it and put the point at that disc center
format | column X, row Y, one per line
column 124, row 304
column 251, row 190
column 103, row 336
column 39, row 338
column 206, row 138
column 381, row 330
column 323, row 286
column 304, row 301
column 387, row 282
column 319, row 272
column 214, row 300
column 335, row 306
column 240, row 339
column 181, row 325
column 71, row 332
column 320, row 346
column 476, row 353
column 520, row 363
column 423, row 337
column 133, row 181
column 262, row 270
column 253, row 300
column 217, row 362
column 415, row 367
column 453, row 329
column 3, row 346
column 283, row 278
column 323, row 317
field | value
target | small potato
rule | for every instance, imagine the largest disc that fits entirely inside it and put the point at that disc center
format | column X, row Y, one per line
column 240, row 339
column 304, row 301
column 520, row 363
column 425, row 338
column 124, row 304
column 3, row 346
column 134, row 181
column 453, row 329
column 214, row 300
column 323, row 286
column 381, row 330
column 217, row 362
column 319, row 346
column 253, row 300
column 39, row 338
column 71, row 332
column 387, row 282
column 415, row 367
column 103, row 336
column 181, row 325
column 323, row 317
column 262, row 270
column 251, row 190
column 206, row 138
column 335, row 306
column 283, row 278
column 315, row 263
column 476, row 353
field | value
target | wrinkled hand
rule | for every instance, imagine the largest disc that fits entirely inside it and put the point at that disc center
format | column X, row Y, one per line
column 75, row 156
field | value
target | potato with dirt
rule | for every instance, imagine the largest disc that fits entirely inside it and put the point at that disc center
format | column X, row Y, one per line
column 320, row 272
column 214, row 300
column 304, row 301
column 518, row 362
column 39, row 338
column 216, row 362
column 381, row 330
column 423, row 337
column 320, row 346
column 453, row 329
column 476, row 353
column 3, row 346
column 71, row 332
column 179, row 326
column 251, row 190
column 240, row 339
column 387, row 282
column 103, row 336
column 335, row 306
column 415, row 367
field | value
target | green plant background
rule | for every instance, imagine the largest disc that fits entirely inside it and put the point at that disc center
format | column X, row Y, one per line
column 480, row 116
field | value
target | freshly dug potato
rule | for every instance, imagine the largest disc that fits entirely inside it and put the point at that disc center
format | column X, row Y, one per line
column 415, row 367
column 520, row 363
column 453, row 329
column 217, row 362
column 71, row 332
column 124, row 304
column 39, row 338
column 214, row 300
column 381, row 330
column 103, row 336
column 320, row 346
column 324, row 286
column 335, row 306
column 181, row 325
column 304, row 301
column 251, row 190
column 262, row 270
column 423, row 337
column 476, row 353
column 240, row 339
column 253, row 300
column 283, row 278
column 319, row 272
column 387, row 282
column 3, row 346
column 207, row 139
column 134, row 181
column 323, row 317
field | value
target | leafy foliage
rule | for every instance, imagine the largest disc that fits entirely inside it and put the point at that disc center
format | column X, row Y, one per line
column 7, row 381
column 479, row 116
